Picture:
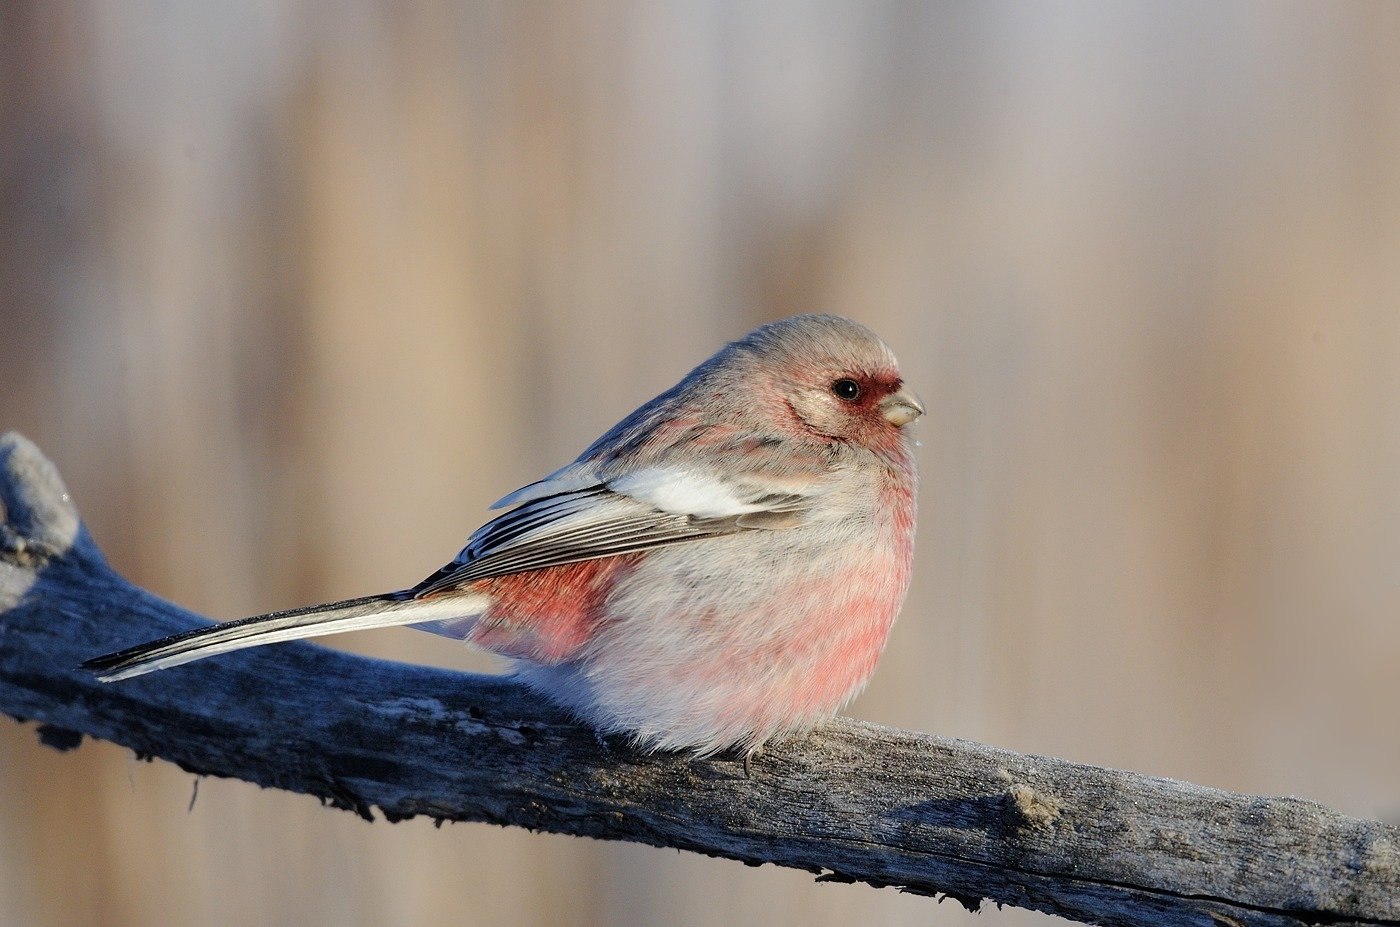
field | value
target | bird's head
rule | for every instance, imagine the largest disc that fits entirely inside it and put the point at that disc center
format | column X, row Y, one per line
column 830, row 378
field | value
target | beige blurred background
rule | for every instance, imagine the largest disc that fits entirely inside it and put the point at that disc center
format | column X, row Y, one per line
column 291, row 292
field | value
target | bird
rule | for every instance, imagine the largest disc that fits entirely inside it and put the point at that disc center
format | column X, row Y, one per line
column 718, row 571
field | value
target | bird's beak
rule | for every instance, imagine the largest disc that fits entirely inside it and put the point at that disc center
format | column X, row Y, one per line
column 901, row 408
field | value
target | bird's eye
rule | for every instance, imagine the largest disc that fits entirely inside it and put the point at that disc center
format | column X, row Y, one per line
column 846, row 389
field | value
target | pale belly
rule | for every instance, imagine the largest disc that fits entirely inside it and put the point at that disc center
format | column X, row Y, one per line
column 697, row 651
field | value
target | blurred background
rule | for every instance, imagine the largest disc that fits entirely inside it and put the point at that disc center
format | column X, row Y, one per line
column 290, row 292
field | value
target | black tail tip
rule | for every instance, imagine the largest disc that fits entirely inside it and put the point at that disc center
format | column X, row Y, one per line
column 105, row 663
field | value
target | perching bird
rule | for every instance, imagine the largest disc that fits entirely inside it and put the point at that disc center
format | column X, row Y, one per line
column 720, row 569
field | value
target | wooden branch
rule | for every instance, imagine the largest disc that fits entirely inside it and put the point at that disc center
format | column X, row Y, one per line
column 853, row 802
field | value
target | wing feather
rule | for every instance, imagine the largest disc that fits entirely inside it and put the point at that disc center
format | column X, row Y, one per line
column 599, row 520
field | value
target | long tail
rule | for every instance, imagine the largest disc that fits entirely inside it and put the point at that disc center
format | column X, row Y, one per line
column 376, row 611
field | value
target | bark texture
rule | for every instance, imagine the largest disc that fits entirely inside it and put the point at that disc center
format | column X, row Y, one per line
column 853, row 802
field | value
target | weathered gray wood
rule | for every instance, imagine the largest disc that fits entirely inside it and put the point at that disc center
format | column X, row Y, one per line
column 853, row 802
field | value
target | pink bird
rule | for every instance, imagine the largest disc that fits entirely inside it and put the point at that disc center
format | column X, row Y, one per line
column 720, row 569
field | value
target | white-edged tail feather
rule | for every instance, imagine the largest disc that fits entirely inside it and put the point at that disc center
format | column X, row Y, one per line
column 381, row 611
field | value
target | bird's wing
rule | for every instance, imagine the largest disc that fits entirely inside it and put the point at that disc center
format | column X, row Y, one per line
column 650, row 507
